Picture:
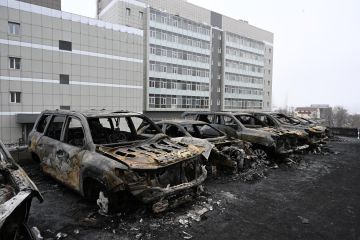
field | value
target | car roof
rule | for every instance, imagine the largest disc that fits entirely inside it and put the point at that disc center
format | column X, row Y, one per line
column 181, row 122
column 229, row 113
column 243, row 114
column 92, row 113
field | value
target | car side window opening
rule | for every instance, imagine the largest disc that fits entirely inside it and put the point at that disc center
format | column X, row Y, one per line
column 44, row 120
column 205, row 118
column 249, row 120
column 174, row 131
column 283, row 119
column 265, row 120
column 74, row 134
column 202, row 131
column 55, row 127
column 230, row 122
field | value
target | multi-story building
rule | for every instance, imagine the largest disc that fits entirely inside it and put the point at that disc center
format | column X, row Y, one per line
column 56, row 60
column 196, row 59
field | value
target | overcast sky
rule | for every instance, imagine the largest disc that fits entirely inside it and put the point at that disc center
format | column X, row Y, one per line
column 316, row 45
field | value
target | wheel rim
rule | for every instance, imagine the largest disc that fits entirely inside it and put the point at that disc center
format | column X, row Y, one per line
column 261, row 154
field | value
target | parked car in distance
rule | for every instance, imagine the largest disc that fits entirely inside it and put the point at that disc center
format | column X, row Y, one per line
column 264, row 144
column 100, row 153
column 295, row 139
column 16, row 194
column 317, row 134
column 226, row 152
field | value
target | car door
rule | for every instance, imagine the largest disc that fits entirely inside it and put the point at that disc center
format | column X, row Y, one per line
column 37, row 133
column 70, row 152
column 226, row 124
column 49, row 144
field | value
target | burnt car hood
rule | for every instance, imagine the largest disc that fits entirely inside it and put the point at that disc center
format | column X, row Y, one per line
column 16, row 189
column 157, row 152
column 286, row 132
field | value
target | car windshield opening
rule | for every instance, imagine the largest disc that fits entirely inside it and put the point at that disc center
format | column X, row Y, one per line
column 119, row 129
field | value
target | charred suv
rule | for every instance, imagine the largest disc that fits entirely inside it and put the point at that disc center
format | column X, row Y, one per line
column 16, row 194
column 294, row 139
column 317, row 134
column 223, row 151
column 263, row 143
column 101, row 153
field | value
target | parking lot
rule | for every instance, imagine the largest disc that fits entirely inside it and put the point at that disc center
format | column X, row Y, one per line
column 314, row 199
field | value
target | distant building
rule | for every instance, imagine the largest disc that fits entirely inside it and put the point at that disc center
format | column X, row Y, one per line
column 307, row 112
column 322, row 112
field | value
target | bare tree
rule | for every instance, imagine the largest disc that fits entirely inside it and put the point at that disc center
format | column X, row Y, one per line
column 355, row 121
column 340, row 116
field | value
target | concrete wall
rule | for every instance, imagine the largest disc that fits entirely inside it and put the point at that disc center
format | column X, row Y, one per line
column 105, row 65
column 116, row 12
column 54, row 4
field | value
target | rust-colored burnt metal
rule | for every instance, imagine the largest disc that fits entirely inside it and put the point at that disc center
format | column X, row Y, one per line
column 104, row 152
column 221, row 151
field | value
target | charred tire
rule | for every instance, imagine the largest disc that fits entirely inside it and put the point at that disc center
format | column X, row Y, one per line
column 118, row 201
column 261, row 154
column 35, row 157
column 92, row 188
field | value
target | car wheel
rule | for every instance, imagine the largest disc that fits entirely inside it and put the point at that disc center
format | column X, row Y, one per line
column 261, row 154
column 35, row 157
column 92, row 188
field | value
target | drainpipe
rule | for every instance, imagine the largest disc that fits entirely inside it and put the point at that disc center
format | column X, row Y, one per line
column 358, row 133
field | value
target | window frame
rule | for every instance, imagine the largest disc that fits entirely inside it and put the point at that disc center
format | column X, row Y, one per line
column 42, row 118
column 13, row 59
column 12, row 26
column 16, row 95
column 62, row 127
column 128, row 11
column 65, row 129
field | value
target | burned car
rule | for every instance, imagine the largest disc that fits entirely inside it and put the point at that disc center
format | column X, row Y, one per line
column 224, row 152
column 264, row 144
column 295, row 139
column 16, row 194
column 317, row 134
column 101, row 153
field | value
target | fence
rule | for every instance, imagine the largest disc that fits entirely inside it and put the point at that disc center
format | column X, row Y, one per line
column 346, row 132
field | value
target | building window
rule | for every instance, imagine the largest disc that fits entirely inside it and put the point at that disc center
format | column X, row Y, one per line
column 128, row 11
column 15, row 97
column 65, row 45
column 64, row 79
column 269, row 50
column 14, row 62
column 269, row 61
column 65, row 107
column 141, row 15
column 152, row 100
column 218, row 102
column 163, row 101
column 14, row 28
